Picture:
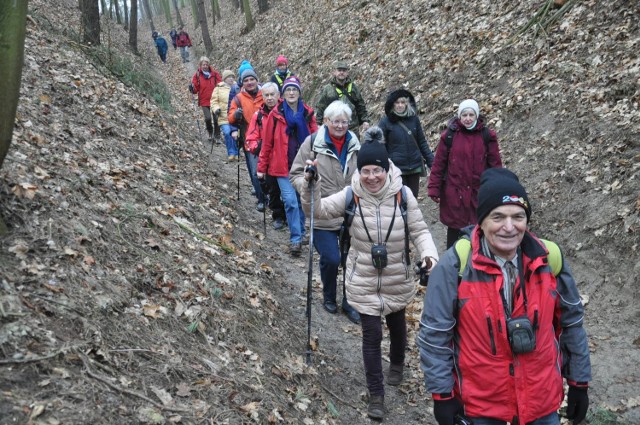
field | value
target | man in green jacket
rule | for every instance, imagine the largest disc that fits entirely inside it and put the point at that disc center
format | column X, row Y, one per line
column 341, row 87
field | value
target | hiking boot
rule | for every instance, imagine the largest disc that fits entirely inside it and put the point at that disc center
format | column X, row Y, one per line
column 260, row 207
column 296, row 249
column 305, row 240
column 278, row 224
column 395, row 374
column 351, row 312
column 330, row 306
column 376, row 407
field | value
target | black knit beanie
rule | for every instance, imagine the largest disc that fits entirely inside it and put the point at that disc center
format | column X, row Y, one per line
column 372, row 152
column 499, row 186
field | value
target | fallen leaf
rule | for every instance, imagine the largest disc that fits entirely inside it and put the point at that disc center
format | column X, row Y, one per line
column 24, row 190
column 151, row 310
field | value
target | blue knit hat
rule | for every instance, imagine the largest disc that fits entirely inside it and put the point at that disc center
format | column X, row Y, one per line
column 243, row 67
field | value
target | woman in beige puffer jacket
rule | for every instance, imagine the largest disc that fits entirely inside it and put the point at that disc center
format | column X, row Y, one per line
column 378, row 292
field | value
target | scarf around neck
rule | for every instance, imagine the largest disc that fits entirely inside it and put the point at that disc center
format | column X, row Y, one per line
column 296, row 124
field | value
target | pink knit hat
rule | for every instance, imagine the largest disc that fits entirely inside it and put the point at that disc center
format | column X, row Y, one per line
column 281, row 59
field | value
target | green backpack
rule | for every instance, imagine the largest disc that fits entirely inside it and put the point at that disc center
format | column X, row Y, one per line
column 463, row 248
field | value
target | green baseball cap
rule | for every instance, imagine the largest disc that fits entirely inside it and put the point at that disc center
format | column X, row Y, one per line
column 341, row 65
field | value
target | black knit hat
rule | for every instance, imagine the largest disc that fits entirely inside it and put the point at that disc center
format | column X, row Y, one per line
column 373, row 152
column 499, row 186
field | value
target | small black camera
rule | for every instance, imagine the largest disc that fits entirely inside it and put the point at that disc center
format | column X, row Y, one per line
column 522, row 337
column 379, row 256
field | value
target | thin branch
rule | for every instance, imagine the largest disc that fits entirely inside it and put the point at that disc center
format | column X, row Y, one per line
column 106, row 381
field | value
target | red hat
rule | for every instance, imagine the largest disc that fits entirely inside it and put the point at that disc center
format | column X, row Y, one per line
column 281, row 59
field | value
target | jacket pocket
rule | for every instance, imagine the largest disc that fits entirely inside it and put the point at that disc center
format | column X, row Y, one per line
column 492, row 339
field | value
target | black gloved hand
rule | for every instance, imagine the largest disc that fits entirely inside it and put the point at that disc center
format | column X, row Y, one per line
column 577, row 404
column 445, row 410
column 217, row 112
column 238, row 114
column 312, row 171
column 192, row 89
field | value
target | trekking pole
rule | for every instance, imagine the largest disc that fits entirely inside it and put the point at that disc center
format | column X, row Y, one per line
column 195, row 107
column 310, row 272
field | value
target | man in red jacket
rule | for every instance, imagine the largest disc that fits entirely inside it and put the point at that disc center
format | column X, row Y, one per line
column 497, row 337
column 184, row 42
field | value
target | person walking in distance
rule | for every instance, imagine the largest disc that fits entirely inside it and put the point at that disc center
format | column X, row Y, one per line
column 219, row 107
column 341, row 87
column 184, row 42
column 502, row 323
column 404, row 138
column 467, row 147
column 205, row 79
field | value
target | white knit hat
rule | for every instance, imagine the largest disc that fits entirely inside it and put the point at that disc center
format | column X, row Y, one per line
column 469, row 104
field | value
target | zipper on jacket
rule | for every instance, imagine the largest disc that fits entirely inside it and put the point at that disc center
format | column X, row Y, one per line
column 491, row 337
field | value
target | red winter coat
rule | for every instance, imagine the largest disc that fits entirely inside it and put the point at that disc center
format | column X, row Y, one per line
column 274, row 158
column 204, row 86
column 183, row 40
column 455, row 174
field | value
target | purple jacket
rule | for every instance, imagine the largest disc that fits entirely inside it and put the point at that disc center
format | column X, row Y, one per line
column 455, row 175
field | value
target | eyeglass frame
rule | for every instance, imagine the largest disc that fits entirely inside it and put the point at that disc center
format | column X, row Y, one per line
column 376, row 172
column 336, row 123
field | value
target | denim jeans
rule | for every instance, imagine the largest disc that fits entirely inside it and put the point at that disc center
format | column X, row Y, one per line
column 184, row 52
column 372, row 352
column 232, row 147
column 252, row 167
column 292, row 208
column 550, row 419
column 326, row 243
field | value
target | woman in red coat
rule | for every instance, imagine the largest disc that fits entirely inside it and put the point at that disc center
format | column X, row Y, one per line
column 459, row 162
column 203, row 82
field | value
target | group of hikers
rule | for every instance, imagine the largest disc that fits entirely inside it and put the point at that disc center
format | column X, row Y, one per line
column 179, row 39
column 502, row 323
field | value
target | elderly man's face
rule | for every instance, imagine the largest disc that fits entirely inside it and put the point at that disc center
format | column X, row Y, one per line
column 504, row 229
column 270, row 97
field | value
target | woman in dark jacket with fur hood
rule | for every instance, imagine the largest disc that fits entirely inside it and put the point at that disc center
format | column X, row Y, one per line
column 405, row 140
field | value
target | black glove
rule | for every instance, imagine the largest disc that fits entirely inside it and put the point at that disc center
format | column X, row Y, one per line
column 192, row 89
column 216, row 112
column 310, row 169
column 445, row 410
column 577, row 404
column 238, row 114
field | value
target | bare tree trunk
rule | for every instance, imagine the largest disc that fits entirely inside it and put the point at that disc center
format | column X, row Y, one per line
column 12, row 33
column 202, row 18
column 236, row 3
column 118, row 16
column 215, row 8
column 133, row 27
column 194, row 13
column 90, row 21
column 126, row 16
column 178, row 17
column 247, row 15
column 167, row 12
column 263, row 6
column 103, row 3
column 147, row 9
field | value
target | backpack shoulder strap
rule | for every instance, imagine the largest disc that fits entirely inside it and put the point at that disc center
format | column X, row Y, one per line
column 448, row 140
column 463, row 248
column 350, row 203
column 555, row 256
column 402, row 201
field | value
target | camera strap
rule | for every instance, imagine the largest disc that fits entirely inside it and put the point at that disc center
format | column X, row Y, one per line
column 393, row 219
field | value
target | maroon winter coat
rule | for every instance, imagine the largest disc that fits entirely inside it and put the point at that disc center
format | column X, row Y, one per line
column 455, row 175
